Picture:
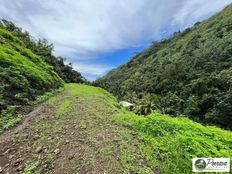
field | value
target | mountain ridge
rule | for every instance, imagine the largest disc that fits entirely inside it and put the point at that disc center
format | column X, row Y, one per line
column 189, row 72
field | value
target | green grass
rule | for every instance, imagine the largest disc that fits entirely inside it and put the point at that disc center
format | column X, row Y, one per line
column 167, row 144
column 9, row 117
column 64, row 107
column 138, row 144
column 171, row 143
column 30, row 168
column 47, row 95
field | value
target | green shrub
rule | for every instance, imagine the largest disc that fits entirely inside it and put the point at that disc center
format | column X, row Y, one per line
column 22, row 98
column 147, row 104
column 9, row 118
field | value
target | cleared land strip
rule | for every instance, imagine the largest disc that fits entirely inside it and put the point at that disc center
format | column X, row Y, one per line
column 72, row 133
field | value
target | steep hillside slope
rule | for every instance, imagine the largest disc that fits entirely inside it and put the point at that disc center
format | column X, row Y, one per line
column 45, row 50
column 84, row 130
column 23, row 76
column 191, row 72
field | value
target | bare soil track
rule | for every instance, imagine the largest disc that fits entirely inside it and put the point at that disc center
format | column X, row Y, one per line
column 71, row 133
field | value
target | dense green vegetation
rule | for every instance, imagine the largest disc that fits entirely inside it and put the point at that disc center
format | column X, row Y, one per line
column 23, row 76
column 171, row 143
column 95, row 135
column 190, row 73
column 83, row 129
column 165, row 143
column 44, row 49
column 29, row 72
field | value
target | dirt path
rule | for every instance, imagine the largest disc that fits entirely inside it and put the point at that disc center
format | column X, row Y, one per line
column 27, row 119
column 72, row 133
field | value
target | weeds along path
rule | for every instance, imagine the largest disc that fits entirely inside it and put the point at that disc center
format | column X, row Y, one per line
column 72, row 133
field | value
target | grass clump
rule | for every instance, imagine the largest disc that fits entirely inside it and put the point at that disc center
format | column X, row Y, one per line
column 9, row 118
column 47, row 95
column 64, row 107
column 31, row 168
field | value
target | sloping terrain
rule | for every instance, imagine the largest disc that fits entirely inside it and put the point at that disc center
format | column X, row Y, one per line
column 45, row 50
column 84, row 130
column 23, row 76
column 189, row 72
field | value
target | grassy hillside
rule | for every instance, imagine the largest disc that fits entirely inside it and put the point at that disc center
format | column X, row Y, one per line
column 23, row 76
column 44, row 49
column 171, row 143
column 190, row 72
column 93, row 134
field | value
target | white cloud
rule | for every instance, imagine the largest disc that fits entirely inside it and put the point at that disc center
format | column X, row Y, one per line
column 194, row 10
column 81, row 29
column 92, row 69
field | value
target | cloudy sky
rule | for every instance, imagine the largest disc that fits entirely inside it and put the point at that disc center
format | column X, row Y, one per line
column 98, row 35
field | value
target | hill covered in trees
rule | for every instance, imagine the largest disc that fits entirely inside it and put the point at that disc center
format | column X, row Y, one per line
column 28, row 69
column 44, row 49
column 190, row 72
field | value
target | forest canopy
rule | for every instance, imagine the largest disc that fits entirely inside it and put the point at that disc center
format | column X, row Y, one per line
column 190, row 72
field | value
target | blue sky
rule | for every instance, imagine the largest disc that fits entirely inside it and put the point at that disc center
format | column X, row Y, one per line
column 98, row 35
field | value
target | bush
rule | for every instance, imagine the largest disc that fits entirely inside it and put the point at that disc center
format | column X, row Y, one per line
column 9, row 118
